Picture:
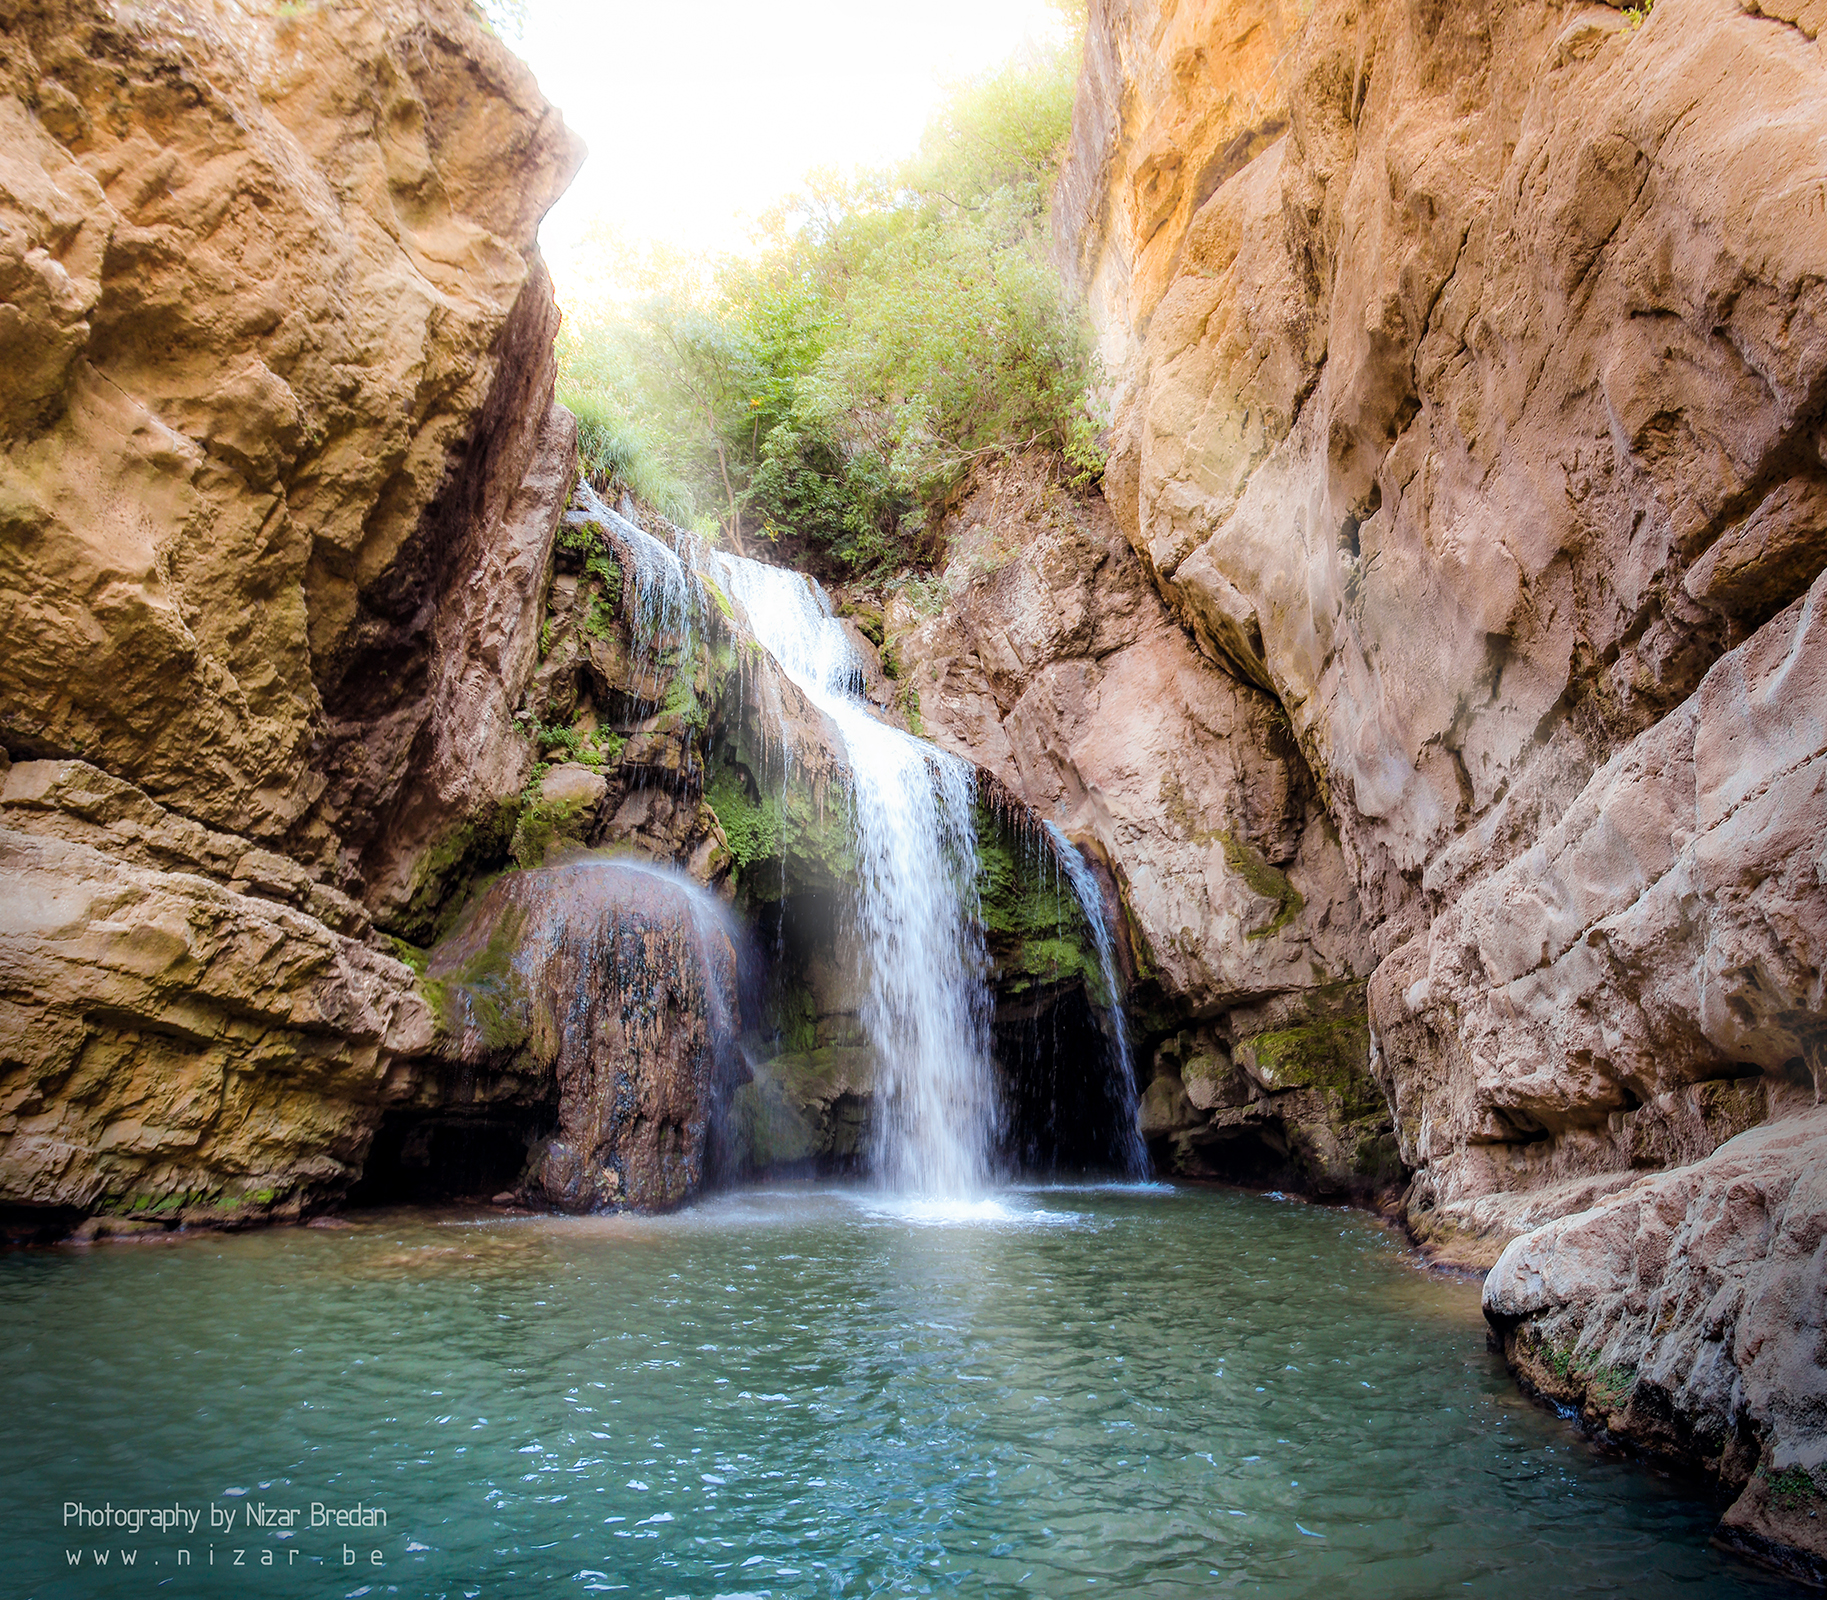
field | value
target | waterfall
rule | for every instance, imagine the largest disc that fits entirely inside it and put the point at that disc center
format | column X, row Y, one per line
column 662, row 598
column 927, row 1006
column 1091, row 898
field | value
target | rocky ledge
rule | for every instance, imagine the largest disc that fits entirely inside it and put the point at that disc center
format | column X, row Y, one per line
column 1683, row 1317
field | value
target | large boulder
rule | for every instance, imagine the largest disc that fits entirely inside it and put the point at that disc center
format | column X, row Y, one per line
column 609, row 988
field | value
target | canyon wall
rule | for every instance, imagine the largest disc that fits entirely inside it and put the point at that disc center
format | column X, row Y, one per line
column 280, row 477
column 1468, row 386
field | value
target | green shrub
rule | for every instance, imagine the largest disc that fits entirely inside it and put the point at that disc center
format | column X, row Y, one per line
column 888, row 332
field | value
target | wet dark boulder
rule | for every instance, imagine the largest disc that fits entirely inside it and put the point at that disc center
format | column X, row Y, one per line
column 612, row 984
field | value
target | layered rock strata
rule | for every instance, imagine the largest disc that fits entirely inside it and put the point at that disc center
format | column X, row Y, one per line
column 280, row 476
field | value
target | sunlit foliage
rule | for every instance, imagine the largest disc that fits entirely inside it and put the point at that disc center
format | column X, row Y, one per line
column 888, row 331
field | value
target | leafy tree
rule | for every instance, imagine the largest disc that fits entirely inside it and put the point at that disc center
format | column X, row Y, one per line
column 887, row 332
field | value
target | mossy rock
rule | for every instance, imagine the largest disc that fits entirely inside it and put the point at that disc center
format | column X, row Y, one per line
column 784, row 841
column 1331, row 1055
column 1032, row 922
column 806, row 1107
column 446, row 874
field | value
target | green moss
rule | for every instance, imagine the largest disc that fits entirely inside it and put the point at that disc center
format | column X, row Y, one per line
column 486, row 990
column 1331, row 1054
column 544, row 824
column 718, row 598
column 1606, row 1386
column 868, row 620
column 1253, row 867
column 790, row 838
column 473, row 848
column 1791, row 1489
column 792, row 1017
column 751, row 827
column 805, row 1106
column 595, row 748
column 1033, row 924
column 907, row 702
column 682, row 701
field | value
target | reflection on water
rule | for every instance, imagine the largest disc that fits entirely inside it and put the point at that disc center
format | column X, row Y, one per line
column 1079, row 1389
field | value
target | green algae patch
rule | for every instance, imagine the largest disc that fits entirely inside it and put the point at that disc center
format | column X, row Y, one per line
column 1253, row 867
column 484, row 991
column 1565, row 1375
column 1325, row 1063
column 784, row 841
column 792, row 1017
column 545, row 824
column 1791, row 1489
column 446, row 874
column 1332, row 1054
column 750, row 826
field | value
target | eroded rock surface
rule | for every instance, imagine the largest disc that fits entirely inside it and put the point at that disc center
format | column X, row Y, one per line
column 1053, row 662
column 186, row 1035
column 276, row 500
column 1469, row 387
column 1472, row 405
column 1684, row 1315
column 279, row 475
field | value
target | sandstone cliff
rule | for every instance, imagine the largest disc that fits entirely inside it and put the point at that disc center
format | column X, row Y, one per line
column 279, row 479
column 1469, row 399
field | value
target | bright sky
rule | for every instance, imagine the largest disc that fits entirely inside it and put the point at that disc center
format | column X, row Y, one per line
column 700, row 114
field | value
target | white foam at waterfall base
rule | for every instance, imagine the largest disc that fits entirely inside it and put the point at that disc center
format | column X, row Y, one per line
column 1090, row 895
column 927, row 1005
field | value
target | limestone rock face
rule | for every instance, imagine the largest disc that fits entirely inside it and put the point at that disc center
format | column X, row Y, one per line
column 281, row 465
column 1474, row 408
column 1684, row 1315
column 185, row 1036
column 1053, row 662
column 1471, row 401
column 279, row 474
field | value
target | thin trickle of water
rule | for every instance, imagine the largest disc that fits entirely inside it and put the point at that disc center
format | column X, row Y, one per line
column 663, row 596
column 927, row 1009
column 1090, row 896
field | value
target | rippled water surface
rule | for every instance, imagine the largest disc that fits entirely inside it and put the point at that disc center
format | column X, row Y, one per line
column 1146, row 1392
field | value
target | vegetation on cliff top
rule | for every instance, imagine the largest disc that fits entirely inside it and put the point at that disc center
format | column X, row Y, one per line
column 888, row 331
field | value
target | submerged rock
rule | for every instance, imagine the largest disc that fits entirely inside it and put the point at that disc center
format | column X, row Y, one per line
column 611, row 985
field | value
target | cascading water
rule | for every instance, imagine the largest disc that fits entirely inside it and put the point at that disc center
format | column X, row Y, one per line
column 927, row 1007
column 1090, row 896
column 663, row 599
